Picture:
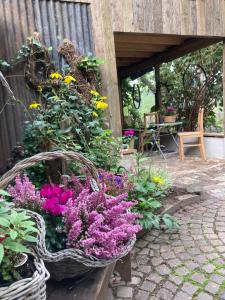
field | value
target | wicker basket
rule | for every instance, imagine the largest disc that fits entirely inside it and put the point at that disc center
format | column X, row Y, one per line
column 67, row 263
column 33, row 288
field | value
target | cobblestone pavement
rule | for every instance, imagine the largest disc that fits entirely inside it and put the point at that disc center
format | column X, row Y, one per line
column 189, row 263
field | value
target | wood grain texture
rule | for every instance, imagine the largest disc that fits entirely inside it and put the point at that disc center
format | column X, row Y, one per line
column 187, row 17
column 105, row 48
column 224, row 85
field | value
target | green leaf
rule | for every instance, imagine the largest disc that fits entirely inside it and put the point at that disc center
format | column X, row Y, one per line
column 13, row 234
column 26, row 224
column 30, row 238
column 1, row 253
column 4, row 193
column 17, row 247
column 4, row 222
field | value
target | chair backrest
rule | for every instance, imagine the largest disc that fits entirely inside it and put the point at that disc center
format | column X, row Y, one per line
column 200, row 120
column 150, row 118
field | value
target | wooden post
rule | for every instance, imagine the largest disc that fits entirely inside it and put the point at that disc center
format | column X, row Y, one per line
column 121, row 102
column 224, row 86
column 158, row 96
column 105, row 49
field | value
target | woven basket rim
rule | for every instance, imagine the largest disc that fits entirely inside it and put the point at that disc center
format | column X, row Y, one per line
column 40, row 248
column 73, row 253
column 21, row 287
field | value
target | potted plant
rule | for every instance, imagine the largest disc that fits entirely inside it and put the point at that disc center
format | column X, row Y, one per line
column 128, row 138
column 169, row 115
column 22, row 276
column 85, row 228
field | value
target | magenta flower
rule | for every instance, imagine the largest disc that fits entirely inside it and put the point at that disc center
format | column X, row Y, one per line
column 55, row 198
column 129, row 132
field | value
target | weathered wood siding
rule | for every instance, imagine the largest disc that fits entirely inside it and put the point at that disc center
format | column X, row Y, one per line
column 55, row 20
column 182, row 17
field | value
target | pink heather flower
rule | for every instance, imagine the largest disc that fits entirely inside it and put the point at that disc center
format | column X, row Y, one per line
column 23, row 193
column 55, row 198
column 98, row 224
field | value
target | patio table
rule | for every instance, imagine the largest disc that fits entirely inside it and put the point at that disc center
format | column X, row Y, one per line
column 163, row 129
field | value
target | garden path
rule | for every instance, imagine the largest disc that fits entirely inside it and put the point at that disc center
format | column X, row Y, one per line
column 190, row 263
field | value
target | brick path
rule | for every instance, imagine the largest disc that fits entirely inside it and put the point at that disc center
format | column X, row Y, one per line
column 188, row 264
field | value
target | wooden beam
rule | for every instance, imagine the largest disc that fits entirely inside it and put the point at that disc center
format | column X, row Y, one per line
column 147, row 39
column 131, row 54
column 172, row 53
column 224, row 86
column 141, row 47
column 104, row 47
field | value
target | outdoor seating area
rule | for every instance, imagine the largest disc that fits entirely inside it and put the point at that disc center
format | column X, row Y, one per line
column 112, row 150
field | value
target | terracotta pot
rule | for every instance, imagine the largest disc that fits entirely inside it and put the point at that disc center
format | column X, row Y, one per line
column 131, row 144
column 170, row 119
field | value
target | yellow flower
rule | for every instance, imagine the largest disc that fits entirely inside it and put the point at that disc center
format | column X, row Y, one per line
column 158, row 180
column 39, row 88
column 103, row 98
column 94, row 93
column 56, row 75
column 94, row 114
column 34, row 105
column 101, row 105
column 68, row 79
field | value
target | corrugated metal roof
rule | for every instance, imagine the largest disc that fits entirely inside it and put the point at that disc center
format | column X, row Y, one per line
column 55, row 20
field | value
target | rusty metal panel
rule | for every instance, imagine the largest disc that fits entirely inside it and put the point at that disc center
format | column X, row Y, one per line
column 55, row 20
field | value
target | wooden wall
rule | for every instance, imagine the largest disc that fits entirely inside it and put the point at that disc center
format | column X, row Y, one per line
column 104, row 47
column 182, row 17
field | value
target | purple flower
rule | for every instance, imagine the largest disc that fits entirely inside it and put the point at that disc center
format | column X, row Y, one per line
column 98, row 224
column 24, row 194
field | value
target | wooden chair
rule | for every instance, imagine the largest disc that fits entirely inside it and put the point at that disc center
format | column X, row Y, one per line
column 199, row 134
column 149, row 118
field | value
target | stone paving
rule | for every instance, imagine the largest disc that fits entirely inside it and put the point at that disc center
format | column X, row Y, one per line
column 189, row 263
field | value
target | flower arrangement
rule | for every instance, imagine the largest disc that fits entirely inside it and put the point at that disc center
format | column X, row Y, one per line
column 170, row 111
column 128, row 137
column 115, row 184
column 77, row 217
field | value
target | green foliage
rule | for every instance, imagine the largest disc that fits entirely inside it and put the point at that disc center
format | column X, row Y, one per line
column 16, row 229
column 90, row 63
column 151, row 186
column 55, row 235
column 188, row 100
column 104, row 150
column 132, row 116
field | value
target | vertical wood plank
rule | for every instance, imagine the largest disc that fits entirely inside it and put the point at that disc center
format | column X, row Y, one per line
column 224, row 86
column 193, row 18
column 157, row 16
column 201, row 17
column 128, row 15
column 148, row 16
column 117, row 13
column 138, row 13
column 105, row 48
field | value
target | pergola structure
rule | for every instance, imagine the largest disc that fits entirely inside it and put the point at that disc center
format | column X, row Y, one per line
column 133, row 36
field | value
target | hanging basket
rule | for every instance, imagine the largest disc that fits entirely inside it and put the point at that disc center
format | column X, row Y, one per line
column 67, row 263
column 33, row 288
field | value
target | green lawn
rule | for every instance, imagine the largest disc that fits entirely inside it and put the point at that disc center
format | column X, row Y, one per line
column 147, row 101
